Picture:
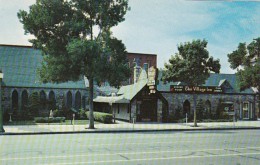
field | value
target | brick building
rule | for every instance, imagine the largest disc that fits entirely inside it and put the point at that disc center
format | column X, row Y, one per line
column 140, row 60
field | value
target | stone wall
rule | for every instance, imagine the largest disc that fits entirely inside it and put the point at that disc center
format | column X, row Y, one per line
column 176, row 101
column 60, row 95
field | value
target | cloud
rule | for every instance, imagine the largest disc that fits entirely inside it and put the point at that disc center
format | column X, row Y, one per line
column 154, row 26
column 158, row 26
column 11, row 29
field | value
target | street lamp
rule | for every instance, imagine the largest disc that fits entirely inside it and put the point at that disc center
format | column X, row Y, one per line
column 1, row 112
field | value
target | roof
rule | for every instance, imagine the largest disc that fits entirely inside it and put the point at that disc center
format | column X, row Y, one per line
column 145, row 54
column 106, row 90
column 110, row 99
column 125, row 93
column 130, row 91
column 19, row 65
column 230, row 80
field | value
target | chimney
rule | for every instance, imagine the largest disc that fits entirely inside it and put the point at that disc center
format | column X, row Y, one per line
column 137, row 70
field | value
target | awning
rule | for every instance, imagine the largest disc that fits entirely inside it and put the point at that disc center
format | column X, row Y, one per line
column 111, row 99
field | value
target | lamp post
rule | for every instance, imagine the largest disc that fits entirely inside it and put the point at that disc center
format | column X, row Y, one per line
column 1, row 112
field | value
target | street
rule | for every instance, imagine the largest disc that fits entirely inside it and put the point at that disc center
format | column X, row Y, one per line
column 187, row 147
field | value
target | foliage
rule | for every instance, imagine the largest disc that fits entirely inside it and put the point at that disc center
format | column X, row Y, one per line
column 49, row 120
column 65, row 111
column 34, row 105
column 102, row 117
column 82, row 113
column 51, row 104
column 191, row 65
column 178, row 117
column 63, row 30
column 217, row 120
column 247, row 56
column 220, row 108
column 178, row 113
column 57, row 113
column 200, row 110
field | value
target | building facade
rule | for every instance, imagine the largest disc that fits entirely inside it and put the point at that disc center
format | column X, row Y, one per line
column 219, row 93
column 19, row 65
column 140, row 60
column 134, row 100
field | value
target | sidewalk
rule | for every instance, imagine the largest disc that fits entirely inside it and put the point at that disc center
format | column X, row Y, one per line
column 127, row 127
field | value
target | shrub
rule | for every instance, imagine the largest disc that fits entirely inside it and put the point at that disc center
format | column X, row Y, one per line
column 34, row 104
column 102, row 117
column 58, row 113
column 49, row 120
column 82, row 114
column 217, row 120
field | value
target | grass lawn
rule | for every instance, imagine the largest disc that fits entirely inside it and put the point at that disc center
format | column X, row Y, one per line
column 67, row 122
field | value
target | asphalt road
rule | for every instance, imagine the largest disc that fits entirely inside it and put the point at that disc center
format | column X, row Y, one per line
column 192, row 147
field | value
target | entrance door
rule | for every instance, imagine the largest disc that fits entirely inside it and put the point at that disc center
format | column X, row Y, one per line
column 186, row 107
column 148, row 110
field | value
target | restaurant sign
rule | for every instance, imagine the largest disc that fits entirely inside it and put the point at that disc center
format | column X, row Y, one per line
column 197, row 89
column 152, row 76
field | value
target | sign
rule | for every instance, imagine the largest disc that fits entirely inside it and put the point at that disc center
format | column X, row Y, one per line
column 229, row 107
column 152, row 75
column 151, row 87
column 198, row 89
column 152, row 91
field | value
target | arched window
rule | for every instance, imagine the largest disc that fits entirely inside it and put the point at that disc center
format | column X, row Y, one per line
column 43, row 100
column 52, row 100
column 186, row 107
column 24, row 100
column 78, row 100
column 15, row 101
column 84, row 102
column 69, row 99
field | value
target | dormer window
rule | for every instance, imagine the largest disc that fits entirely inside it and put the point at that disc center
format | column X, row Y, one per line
column 225, row 85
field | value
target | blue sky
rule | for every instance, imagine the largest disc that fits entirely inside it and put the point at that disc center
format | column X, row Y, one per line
column 158, row 26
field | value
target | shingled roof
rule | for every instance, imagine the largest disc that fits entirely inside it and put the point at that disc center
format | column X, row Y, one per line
column 19, row 65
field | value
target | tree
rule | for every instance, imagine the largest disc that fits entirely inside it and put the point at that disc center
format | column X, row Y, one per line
column 246, row 59
column 64, row 31
column 200, row 110
column 192, row 65
column 34, row 104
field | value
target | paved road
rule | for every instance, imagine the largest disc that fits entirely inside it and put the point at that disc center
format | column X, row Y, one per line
column 191, row 147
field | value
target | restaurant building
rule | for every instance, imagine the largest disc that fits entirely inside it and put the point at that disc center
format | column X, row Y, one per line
column 219, row 93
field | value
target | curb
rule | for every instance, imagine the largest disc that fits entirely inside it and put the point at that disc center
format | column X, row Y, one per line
column 126, row 131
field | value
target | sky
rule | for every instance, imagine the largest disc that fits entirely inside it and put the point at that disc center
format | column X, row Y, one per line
column 158, row 26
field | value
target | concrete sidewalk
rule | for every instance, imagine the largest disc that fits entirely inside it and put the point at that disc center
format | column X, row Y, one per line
column 127, row 127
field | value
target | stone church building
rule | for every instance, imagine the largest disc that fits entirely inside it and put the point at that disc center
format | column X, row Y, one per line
column 19, row 63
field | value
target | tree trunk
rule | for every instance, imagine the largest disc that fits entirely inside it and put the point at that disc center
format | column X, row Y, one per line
column 195, row 111
column 91, row 115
